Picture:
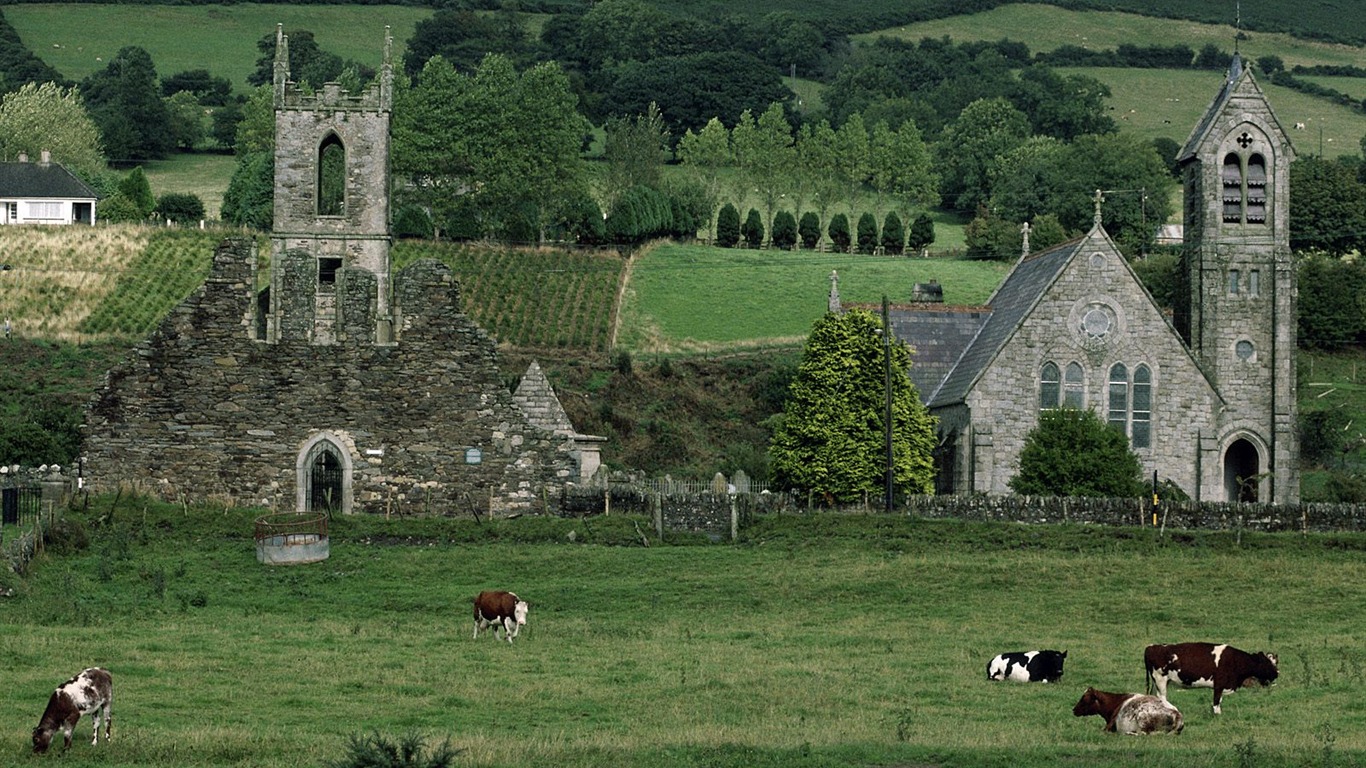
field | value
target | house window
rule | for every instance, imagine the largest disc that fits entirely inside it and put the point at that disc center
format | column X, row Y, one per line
column 1050, row 386
column 1119, row 397
column 44, row 210
column 1072, row 386
column 1142, row 417
column 13, row 209
column 1254, row 283
column 331, row 177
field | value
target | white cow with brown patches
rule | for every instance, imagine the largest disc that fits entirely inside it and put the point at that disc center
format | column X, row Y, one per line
column 89, row 693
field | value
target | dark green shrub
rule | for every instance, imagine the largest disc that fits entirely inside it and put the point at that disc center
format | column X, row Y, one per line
column 809, row 229
column 690, row 207
column 581, row 221
column 377, row 751
column 412, row 221
column 182, row 208
column 839, row 233
column 893, row 235
column 753, row 229
column 867, row 233
column 728, row 226
column 784, row 230
column 922, row 233
column 639, row 214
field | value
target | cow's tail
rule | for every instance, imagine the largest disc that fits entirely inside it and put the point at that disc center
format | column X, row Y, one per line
column 1148, row 685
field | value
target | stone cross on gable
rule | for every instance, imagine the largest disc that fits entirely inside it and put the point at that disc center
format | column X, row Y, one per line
column 1099, row 199
column 1024, row 239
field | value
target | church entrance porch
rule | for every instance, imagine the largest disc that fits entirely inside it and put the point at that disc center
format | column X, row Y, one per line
column 1242, row 467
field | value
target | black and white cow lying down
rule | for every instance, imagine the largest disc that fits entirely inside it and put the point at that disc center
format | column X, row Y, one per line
column 90, row 692
column 1027, row 666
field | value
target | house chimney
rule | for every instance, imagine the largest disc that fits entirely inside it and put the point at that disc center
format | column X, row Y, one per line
column 46, row 157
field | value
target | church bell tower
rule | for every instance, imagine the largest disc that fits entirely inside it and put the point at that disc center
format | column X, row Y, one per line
column 1238, row 310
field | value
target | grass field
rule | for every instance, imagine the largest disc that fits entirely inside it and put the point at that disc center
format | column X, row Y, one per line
column 220, row 38
column 817, row 641
column 691, row 298
column 205, row 175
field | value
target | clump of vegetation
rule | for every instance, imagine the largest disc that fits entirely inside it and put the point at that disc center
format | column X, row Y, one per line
column 376, row 750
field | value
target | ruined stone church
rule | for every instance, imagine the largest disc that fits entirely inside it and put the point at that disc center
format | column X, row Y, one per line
column 331, row 383
column 1205, row 398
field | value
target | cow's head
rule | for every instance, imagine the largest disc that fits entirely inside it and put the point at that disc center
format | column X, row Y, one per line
column 519, row 611
column 1088, row 704
column 42, row 739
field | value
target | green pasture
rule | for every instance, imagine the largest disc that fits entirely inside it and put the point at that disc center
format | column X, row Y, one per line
column 696, row 298
column 1047, row 27
column 816, row 641
column 205, row 175
column 1162, row 102
column 79, row 40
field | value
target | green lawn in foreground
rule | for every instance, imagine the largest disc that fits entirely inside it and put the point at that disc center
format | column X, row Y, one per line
column 820, row 641
column 688, row 297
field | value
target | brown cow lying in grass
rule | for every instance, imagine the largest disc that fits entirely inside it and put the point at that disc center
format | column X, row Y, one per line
column 1130, row 712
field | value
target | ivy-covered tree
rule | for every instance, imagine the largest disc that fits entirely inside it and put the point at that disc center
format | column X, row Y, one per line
column 1073, row 453
column 753, row 229
column 839, row 233
column 784, row 230
column 728, row 226
column 809, row 229
column 831, row 437
column 867, row 233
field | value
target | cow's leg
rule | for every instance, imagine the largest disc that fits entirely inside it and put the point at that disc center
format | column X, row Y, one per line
column 95, row 718
column 1218, row 695
column 508, row 624
column 1159, row 684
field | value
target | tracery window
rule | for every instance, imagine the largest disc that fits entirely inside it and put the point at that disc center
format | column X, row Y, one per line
column 1119, row 397
column 1073, row 383
column 1050, row 386
column 1130, row 403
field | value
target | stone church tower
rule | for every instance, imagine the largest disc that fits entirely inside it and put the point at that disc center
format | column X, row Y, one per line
column 331, row 204
column 1238, row 311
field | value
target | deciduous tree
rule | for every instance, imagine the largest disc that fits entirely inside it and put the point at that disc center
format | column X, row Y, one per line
column 831, row 437
column 48, row 116
column 124, row 100
column 985, row 130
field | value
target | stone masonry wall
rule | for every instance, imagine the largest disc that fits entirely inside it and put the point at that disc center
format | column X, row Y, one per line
column 203, row 409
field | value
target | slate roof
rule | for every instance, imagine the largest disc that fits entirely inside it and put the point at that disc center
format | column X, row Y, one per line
column 937, row 335
column 1238, row 78
column 42, row 180
column 1011, row 303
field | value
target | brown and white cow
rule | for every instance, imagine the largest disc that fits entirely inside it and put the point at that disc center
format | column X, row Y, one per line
column 92, row 691
column 497, row 608
column 1206, row 665
column 1130, row 713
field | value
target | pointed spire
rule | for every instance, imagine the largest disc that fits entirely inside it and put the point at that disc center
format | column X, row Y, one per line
column 281, row 73
column 386, row 73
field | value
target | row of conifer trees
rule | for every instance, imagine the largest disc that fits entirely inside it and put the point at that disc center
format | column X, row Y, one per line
column 788, row 232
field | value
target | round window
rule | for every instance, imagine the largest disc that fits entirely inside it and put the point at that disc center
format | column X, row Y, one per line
column 1244, row 350
column 1096, row 322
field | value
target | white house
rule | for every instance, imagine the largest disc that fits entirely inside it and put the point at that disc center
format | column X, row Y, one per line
column 44, row 193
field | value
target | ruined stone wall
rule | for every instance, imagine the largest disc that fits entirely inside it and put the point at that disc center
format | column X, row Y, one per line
column 203, row 409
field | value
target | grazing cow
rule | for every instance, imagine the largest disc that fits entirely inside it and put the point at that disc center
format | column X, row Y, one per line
column 1206, row 665
column 1027, row 666
column 92, row 691
column 1130, row 713
column 496, row 608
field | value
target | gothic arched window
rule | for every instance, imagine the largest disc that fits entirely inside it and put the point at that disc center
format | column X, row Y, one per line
column 1141, row 426
column 331, row 177
column 1072, row 393
column 1244, row 183
column 1119, row 397
column 1050, row 386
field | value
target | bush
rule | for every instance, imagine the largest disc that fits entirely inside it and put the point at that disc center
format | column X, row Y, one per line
column 640, row 213
column 753, row 229
column 182, row 208
column 412, row 221
column 728, row 226
column 867, row 233
column 839, row 233
column 922, row 233
column 117, row 209
column 893, row 235
column 784, row 230
column 376, row 751
column 809, row 229
column 581, row 221
column 690, row 207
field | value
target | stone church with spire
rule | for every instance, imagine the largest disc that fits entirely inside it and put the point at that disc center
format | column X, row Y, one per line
column 1205, row 398
column 331, row 382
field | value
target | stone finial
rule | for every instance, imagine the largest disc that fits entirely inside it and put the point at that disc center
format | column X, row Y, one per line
column 1099, row 198
column 386, row 73
column 281, row 72
column 1024, row 239
column 834, row 302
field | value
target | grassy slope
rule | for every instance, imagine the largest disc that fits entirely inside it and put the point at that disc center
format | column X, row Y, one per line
column 818, row 642
column 204, row 175
column 219, row 38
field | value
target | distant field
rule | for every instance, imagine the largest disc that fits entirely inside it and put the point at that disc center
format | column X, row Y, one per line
column 205, row 175
column 219, row 38
column 1045, row 27
column 1164, row 102
column 689, row 298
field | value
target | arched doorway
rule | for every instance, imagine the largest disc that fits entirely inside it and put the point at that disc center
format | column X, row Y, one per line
column 323, row 473
column 1242, row 465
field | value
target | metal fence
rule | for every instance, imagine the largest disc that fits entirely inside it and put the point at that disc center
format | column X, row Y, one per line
column 20, row 505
